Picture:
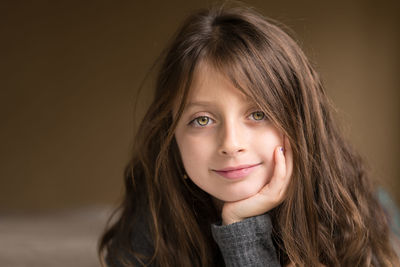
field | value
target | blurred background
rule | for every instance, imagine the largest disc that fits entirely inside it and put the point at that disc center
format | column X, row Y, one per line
column 69, row 73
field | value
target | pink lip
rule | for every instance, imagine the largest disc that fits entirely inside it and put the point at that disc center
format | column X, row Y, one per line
column 237, row 171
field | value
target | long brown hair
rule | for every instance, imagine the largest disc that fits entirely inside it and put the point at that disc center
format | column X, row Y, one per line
column 330, row 216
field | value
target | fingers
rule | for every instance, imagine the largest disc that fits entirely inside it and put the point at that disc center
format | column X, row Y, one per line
column 285, row 178
column 288, row 157
column 280, row 168
column 283, row 157
column 273, row 193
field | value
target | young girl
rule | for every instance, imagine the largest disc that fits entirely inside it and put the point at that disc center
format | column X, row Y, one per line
column 238, row 161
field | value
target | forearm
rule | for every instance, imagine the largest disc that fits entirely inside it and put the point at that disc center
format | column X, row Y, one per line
column 247, row 243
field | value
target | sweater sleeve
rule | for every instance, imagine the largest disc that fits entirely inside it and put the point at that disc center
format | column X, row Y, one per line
column 246, row 243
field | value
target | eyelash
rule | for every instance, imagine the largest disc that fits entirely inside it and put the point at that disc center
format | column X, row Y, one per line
column 262, row 113
column 195, row 121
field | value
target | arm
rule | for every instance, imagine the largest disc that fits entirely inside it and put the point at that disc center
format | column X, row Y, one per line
column 270, row 196
column 247, row 243
column 245, row 236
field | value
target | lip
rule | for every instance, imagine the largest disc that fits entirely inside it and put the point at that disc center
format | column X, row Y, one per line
column 237, row 172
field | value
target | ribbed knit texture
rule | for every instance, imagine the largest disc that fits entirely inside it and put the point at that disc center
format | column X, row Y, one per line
column 246, row 243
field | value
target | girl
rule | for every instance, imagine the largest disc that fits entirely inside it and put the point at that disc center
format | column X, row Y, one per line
column 238, row 161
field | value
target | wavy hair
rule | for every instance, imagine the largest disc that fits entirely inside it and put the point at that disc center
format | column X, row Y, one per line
column 330, row 216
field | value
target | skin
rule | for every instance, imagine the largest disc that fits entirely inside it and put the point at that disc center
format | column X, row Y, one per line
column 221, row 128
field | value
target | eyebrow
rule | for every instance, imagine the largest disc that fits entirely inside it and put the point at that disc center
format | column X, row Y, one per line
column 199, row 103
column 209, row 103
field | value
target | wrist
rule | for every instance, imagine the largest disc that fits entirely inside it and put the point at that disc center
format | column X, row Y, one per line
column 230, row 218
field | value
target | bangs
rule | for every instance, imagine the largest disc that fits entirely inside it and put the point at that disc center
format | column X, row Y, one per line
column 252, row 54
column 247, row 73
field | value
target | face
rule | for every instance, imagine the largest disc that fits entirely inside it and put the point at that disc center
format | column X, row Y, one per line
column 225, row 141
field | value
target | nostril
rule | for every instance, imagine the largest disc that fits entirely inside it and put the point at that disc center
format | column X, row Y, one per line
column 231, row 152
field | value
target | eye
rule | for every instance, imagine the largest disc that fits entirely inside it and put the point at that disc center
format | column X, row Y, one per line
column 257, row 115
column 201, row 121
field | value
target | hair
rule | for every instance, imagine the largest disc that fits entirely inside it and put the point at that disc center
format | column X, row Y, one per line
column 330, row 215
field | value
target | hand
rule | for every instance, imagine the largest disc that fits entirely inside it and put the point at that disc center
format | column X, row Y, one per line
column 270, row 196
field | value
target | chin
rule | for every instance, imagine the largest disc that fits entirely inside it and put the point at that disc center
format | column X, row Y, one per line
column 243, row 193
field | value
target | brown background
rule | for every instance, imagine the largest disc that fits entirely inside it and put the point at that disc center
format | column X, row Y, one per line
column 69, row 71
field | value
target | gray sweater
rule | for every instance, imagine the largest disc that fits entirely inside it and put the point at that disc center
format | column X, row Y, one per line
column 245, row 243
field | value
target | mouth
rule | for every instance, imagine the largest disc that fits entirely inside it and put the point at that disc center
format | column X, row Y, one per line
column 237, row 172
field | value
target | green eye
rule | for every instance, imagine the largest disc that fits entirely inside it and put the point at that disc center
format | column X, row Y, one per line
column 202, row 121
column 258, row 115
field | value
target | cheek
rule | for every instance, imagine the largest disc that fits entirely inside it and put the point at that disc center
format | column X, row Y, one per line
column 265, row 146
column 194, row 152
column 266, row 142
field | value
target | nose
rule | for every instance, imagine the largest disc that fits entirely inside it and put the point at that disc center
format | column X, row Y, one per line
column 231, row 139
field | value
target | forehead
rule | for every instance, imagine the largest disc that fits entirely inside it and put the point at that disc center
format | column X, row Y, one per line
column 210, row 82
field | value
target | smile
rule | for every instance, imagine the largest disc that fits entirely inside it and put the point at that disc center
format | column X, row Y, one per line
column 237, row 171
